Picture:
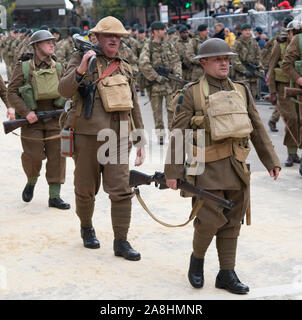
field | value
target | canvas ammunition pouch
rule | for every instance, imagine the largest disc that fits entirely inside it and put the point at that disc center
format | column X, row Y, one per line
column 280, row 76
column 226, row 112
column 115, row 91
column 43, row 86
column 233, row 145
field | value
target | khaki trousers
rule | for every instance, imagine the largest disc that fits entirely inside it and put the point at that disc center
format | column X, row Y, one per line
column 34, row 152
column 211, row 221
column 87, row 179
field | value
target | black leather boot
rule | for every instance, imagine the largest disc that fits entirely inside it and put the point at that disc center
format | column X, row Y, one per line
column 272, row 126
column 291, row 159
column 122, row 248
column 227, row 279
column 300, row 168
column 28, row 192
column 89, row 239
column 296, row 158
column 195, row 273
column 58, row 203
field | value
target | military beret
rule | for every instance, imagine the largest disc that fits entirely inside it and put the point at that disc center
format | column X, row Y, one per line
column 171, row 31
column 179, row 26
column 55, row 30
column 16, row 31
column 44, row 27
column 183, row 29
column 246, row 26
column 74, row 30
column 23, row 30
column 133, row 28
column 127, row 27
column 157, row 25
column 141, row 30
column 28, row 32
column 202, row 27
column 259, row 30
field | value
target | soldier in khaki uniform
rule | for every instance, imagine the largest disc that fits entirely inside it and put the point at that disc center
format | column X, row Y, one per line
column 248, row 51
column 291, row 56
column 36, row 146
column 90, row 164
column 277, row 82
column 225, row 173
column 192, row 50
column 159, row 52
column 3, row 95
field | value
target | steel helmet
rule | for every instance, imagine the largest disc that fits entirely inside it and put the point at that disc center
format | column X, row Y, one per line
column 294, row 24
column 214, row 47
column 41, row 35
column 110, row 25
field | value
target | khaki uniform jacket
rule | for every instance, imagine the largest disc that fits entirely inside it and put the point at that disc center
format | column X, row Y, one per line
column 100, row 119
column 3, row 92
column 291, row 55
column 220, row 175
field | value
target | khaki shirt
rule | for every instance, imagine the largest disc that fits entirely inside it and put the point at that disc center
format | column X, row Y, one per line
column 219, row 175
column 100, row 119
column 3, row 92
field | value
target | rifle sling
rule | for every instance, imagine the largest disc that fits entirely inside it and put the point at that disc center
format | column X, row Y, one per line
column 57, row 136
column 198, row 204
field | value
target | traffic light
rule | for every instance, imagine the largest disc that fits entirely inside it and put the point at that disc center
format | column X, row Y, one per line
column 188, row 5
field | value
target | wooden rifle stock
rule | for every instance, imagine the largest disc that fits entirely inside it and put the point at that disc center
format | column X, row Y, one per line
column 292, row 92
column 11, row 125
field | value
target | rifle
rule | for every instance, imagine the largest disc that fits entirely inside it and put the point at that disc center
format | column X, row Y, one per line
column 292, row 93
column 162, row 70
column 139, row 178
column 11, row 125
column 253, row 69
column 84, row 45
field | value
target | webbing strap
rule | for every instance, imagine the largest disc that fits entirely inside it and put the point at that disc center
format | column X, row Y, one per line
column 195, row 209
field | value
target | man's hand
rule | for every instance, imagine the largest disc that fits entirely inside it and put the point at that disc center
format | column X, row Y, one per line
column 10, row 114
column 140, row 156
column 172, row 183
column 83, row 67
column 299, row 81
column 161, row 79
column 275, row 172
column 32, row 117
column 273, row 98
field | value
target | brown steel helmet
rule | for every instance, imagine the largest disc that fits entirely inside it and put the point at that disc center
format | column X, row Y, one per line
column 214, row 47
column 41, row 35
column 110, row 25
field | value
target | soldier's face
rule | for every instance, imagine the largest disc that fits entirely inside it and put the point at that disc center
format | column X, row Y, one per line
column 184, row 35
column 246, row 33
column 110, row 44
column 204, row 34
column 46, row 47
column 217, row 67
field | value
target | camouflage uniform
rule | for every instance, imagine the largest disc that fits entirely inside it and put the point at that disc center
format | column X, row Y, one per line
column 191, row 52
column 140, row 82
column 153, row 55
column 181, row 47
column 127, row 54
column 248, row 52
column 64, row 50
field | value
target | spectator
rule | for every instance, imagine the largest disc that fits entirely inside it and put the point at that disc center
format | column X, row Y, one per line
column 284, row 5
column 219, row 30
column 258, row 32
column 229, row 37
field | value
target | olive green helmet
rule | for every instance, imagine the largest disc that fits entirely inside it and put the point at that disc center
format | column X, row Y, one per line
column 214, row 47
column 41, row 35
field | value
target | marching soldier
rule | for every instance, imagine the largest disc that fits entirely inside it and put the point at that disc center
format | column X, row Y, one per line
column 226, row 148
column 158, row 52
column 247, row 58
column 192, row 50
column 36, row 137
column 112, row 107
column 291, row 57
column 3, row 95
column 277, row 82
column 140, row 44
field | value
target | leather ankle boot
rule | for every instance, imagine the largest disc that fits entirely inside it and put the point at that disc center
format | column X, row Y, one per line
column 89, row 239
column 28, row 192
column 296, row 158
column 122, row 248
column 272, row 126
column 227, row 279
column 58, row 203
column 290, row 160
column 195, row 273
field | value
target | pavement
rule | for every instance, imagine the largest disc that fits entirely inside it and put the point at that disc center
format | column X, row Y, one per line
column 42, row 256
